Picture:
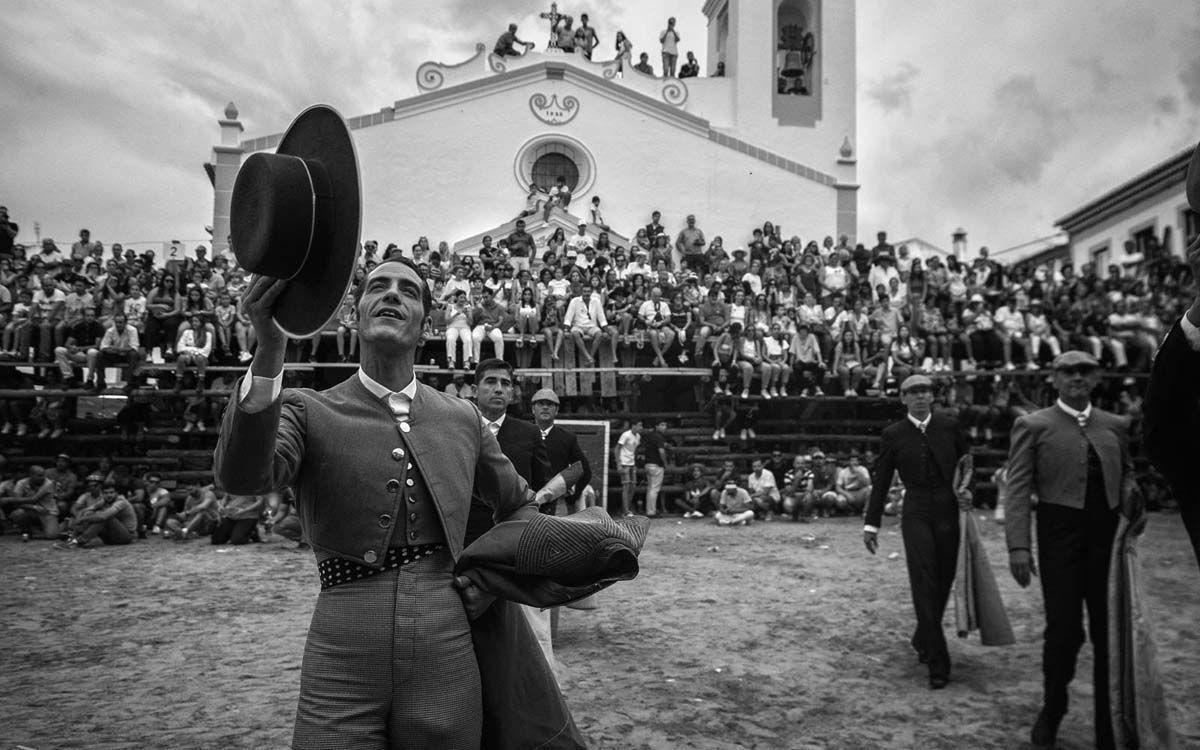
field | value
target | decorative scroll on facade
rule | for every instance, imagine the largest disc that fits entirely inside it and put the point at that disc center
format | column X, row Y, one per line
column 431, row 76
column 552, row 111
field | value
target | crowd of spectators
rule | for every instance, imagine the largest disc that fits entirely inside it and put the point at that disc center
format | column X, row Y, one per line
column 774, row 316
column 778, row 315
column 84, row 504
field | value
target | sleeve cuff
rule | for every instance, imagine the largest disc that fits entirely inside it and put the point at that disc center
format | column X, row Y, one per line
column 1190, row 332
column 871, row 529
column 257, row 393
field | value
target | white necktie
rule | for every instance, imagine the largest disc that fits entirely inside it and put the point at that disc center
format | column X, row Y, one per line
column 401, row 406
column 494, row 427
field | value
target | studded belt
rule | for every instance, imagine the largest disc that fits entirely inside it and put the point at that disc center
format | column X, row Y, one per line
column 336, row 571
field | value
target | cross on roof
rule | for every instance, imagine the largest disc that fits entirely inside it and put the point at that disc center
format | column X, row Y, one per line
column 553, row 16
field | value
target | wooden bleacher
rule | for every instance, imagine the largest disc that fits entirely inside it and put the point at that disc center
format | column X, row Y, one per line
column 614, row 390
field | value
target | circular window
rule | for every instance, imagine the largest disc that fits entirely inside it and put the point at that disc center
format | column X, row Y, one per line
column 543, row 159
column 549, row 167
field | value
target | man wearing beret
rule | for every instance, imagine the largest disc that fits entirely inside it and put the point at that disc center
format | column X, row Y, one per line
column 931, row 454
column 1172, row 410
column 1075, row 458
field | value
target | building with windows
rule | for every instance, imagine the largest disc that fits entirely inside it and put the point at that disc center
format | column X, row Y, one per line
column 1127, row 224
column 773, row 139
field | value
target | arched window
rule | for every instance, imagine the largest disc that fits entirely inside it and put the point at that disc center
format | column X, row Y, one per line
column 548, row 167
column 796, row 48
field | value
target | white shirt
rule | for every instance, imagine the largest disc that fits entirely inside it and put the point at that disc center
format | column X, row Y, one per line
column 921, row 424
column 627, row 448
column 499, row 422
column 1075, row 413
column 1190, row 332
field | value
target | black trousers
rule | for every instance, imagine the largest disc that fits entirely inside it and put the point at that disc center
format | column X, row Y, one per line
column 931, row 553
column 1074, row 547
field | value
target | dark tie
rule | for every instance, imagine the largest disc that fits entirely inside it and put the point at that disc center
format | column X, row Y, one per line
column 400, row 405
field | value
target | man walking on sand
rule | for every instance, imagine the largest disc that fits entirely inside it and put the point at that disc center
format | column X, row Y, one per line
column 931, row 454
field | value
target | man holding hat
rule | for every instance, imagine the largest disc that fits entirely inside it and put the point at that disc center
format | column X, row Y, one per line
column 383, row 467
column 931, row 454
column 1075, row 458
column 562, row 447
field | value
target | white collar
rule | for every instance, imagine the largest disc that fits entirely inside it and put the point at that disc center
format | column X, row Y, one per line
column 921, row 424
column 1075, row 413
column 381, row 391
column 499, row 421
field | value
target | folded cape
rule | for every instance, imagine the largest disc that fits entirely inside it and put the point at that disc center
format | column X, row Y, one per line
column 549, row 561
column 1135, row 688
column 977, row 602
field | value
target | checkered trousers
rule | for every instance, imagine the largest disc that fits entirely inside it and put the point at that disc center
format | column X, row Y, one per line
column 389, row 664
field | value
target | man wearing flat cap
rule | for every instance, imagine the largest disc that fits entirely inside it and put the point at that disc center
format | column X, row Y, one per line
column 383, row 467
column 931, row 454
column 1075, row 458
column 562, row 447
column 1172, row 406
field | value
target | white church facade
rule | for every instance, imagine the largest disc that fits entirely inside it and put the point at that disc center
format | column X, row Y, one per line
column 774, row 139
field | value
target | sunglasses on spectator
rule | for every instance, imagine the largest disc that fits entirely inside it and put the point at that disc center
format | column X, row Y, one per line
column 1077, row 370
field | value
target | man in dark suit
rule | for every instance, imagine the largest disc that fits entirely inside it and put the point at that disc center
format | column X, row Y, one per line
column 562, row 447
column 930, row 451
column 1075, row 459
column 1172, row 410
column 384, row 469
column 520, row 441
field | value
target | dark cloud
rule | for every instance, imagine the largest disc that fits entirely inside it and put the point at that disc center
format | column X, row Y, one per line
column 894, row 91
column 1167, row 105
column 1028, row 128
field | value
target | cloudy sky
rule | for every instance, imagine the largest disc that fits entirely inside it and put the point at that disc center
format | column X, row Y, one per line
column 996, row 116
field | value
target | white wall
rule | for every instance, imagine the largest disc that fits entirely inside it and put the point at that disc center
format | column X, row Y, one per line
column 449, row 173
column 1165, row 210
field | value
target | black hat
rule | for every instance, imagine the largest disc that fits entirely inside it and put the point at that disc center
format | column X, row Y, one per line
column 296, row 215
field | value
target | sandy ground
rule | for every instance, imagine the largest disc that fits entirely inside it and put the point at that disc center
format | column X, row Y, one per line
column 775, row 636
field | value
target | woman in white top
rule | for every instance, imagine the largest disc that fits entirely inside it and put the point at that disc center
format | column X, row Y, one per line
column 458, row 328
column 737, row 309
column 753, row 278
column 776, row 370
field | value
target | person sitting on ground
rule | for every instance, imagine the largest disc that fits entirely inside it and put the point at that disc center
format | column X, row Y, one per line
column 735, row 508
column 797, row 484
column 162, row 505
column 239, row 515
column 643, row 64
column 695, row 496
column 30, row 505
column 72, row 519
column 66, row 483
column 764, row 491
column 112, row 521
column 192, row 350
column 853, row 485
column 822, row 499
column 284, row 521
column 198, row 518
